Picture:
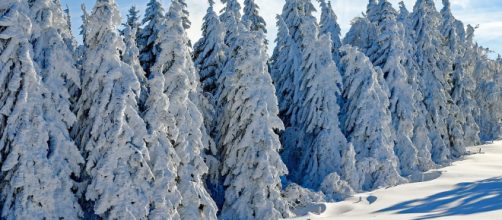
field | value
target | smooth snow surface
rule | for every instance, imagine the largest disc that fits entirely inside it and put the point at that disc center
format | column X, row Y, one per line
column 469, row 189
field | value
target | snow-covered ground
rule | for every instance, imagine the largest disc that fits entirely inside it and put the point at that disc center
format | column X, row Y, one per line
column 469, row 189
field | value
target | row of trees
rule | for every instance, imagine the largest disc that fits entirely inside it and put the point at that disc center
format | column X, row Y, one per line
column 141, row 124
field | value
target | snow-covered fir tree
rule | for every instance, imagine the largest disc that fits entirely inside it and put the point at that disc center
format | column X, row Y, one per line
column 209, row 57
column 286, row 72
column 110, row 130
column 458, row 48
column 55, row 58
column 252, row 17
column 231, row 18
column 362, row 34
column 153, row 19
column 63, row 19
column 372, row 10
column 248, row 124
column 131, row 56
column 453, row 34
column 329, row 25
column 488, row 93
column 133, row 18
column 390, row 56
column 464, row 86
column 293, row 13
column 451, row 29
column 420, row 138
column 175, row 64
column 322, row 145
column 186, row 14
column 444, row 130
column 367, row 123
column 165, row 198
column 285, row 68
column 286, row 59
column 38, row 159
column 209, row 51
column 161, row 126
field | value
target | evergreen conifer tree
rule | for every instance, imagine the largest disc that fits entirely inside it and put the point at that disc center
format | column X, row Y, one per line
column 248, row 125
column 38, row 159
column 110, row 130
column 367, row 122
column 174, row 62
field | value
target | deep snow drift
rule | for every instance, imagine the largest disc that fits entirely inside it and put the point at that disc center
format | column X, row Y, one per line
column 468, row 189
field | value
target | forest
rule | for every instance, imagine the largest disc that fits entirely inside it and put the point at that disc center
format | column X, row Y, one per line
column 139, row 122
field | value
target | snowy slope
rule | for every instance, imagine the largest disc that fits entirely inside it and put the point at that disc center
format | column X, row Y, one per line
column 469, row 189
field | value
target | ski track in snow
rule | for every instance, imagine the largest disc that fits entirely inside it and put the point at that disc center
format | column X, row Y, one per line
column 469, row 189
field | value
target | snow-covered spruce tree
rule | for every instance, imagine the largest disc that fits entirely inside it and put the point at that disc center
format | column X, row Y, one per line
column 209, row 57
column 80, row 50
column 62, row 18
column 286, row 59
column 38, row 159
column 209, row 51
column 322, row 143
column 372, row 10
column 174, row 62
column 390, row 56
column 362, row 34
column 452, row 30
column 60, row 26
column 293, row 14
column 252, row 166
column 154, row 16
column 186, row 14
column 133, row 18
column 464, row 86
column 161, row 127
column 131, row 56
column 252, row 17
column 110, row 131
column 231, row 18
column 453, row 33
column 488, row 95
column 444, row 130
column 462, row 81
column 165, row 197
column 420, row 138
column 330, row 26
column 367, row 121
column 285, row 68
column 54, row 58
column 286, row 71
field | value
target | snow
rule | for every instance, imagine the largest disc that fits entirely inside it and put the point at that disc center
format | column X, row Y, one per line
column 469, row 189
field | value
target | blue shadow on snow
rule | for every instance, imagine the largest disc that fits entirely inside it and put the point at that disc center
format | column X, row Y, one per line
column 465, row 199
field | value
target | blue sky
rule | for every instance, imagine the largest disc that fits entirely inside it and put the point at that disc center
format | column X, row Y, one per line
column 486, row 13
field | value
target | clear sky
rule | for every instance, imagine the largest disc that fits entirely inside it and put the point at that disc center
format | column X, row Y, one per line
column 485, row 13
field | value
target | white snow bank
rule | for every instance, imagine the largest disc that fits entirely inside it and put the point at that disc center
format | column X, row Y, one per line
column 469, row 189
